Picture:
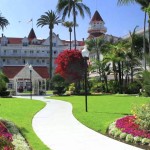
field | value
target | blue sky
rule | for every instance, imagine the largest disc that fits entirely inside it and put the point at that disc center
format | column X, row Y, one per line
column 119, row 20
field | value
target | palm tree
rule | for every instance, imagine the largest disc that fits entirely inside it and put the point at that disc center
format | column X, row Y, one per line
column 69, row 25
column 95, row 45
column 144, row 4
column 49, row 19
column 66, row 7
column 3, row 22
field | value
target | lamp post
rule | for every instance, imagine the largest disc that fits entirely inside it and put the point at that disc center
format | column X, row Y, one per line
column 85, row 55
column 30, row 68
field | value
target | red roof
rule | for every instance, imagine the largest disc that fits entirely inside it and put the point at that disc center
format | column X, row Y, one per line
column 31, row 34
column 12, row 71
column 96, row 17
column 42, row 71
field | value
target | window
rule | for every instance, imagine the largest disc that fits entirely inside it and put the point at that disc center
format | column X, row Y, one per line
column 25, row 43
column 43, row 61
column 37, row 51
column 54, row 44
column 31, row 52
column 14, row 51
column 55, row 52
column 4, row 60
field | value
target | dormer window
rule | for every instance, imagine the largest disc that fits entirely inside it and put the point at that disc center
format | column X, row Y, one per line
column 4, row 41
column 25, row 41
column 34, row 41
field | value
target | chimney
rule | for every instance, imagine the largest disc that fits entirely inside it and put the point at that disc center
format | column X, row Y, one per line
column 83, row 39
column 2, row 35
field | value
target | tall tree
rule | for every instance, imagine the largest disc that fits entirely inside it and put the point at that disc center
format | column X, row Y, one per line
column 95, row 45
column 69, row 25
column 49, row 19
column 3, row 22
column 66, row 7
column 144, row 5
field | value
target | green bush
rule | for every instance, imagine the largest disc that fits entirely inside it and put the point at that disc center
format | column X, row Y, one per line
column 142, row 114
column 98, row 87
column 133, row 88
column 59, row 84
column 146, row 83
column 113, row 86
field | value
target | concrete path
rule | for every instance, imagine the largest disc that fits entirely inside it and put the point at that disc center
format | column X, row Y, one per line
column 56, row 126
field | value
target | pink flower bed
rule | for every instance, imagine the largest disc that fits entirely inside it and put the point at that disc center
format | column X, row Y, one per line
column 4, row 132
column 128, row 125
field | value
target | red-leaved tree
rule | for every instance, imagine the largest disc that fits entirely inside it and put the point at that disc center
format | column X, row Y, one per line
column 70, row 65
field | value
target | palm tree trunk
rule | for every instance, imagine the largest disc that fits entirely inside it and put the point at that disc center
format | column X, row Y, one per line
column 70, row 40
column 120, row 81
column 149, row 32
column 122, row 68
column 50, row 57
column 98, row 60
column 74, row 26
column 144, row 47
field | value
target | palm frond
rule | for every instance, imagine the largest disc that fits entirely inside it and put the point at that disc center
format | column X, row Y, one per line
column 125, row 2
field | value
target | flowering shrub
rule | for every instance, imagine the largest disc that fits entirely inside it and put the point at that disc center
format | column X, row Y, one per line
column 5, row 138
column 142, row 114
column 17, row 139
column 128, row 125
column 70, row 65
column 126, row 129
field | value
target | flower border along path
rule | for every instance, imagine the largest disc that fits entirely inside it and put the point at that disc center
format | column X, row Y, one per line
column 56, row 126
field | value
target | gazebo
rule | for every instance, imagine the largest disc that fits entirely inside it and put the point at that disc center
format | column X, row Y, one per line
column 23, row 80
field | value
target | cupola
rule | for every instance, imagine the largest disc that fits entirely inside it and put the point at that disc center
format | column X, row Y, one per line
column 96, row 26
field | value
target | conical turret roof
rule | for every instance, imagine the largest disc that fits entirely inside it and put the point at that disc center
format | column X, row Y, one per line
column 96, row 17
column 31, row 34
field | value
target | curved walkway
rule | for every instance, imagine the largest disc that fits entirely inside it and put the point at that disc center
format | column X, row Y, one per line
column 56, row 126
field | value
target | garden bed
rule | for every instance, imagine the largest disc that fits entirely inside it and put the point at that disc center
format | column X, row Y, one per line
column 11, row 138
column 126, row 130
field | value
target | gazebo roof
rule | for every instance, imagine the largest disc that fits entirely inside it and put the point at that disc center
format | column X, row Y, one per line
column 12, row 71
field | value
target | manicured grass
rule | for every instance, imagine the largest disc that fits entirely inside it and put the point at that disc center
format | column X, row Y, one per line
column 102, row 109
column 49, row 92
column 21, row 112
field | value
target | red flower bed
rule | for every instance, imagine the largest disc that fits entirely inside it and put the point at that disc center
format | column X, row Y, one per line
column 5, row 138
column 4, row 132
column 128, row 125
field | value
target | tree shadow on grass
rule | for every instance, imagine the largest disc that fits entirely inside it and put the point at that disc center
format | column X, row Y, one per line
column 113, row 113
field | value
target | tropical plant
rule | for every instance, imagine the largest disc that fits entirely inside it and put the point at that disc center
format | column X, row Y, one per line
column 117, row 56
column 95, row 45
column 3, row 81
column 66, row 7
column 59, row 84
column 3, row 22
column 142, row 114
column 144, row 6
column 49, row 19
column 69, row 25
column 70, row 65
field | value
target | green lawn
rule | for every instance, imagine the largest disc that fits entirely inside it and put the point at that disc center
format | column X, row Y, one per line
column 102, row 110
column 21, row 112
